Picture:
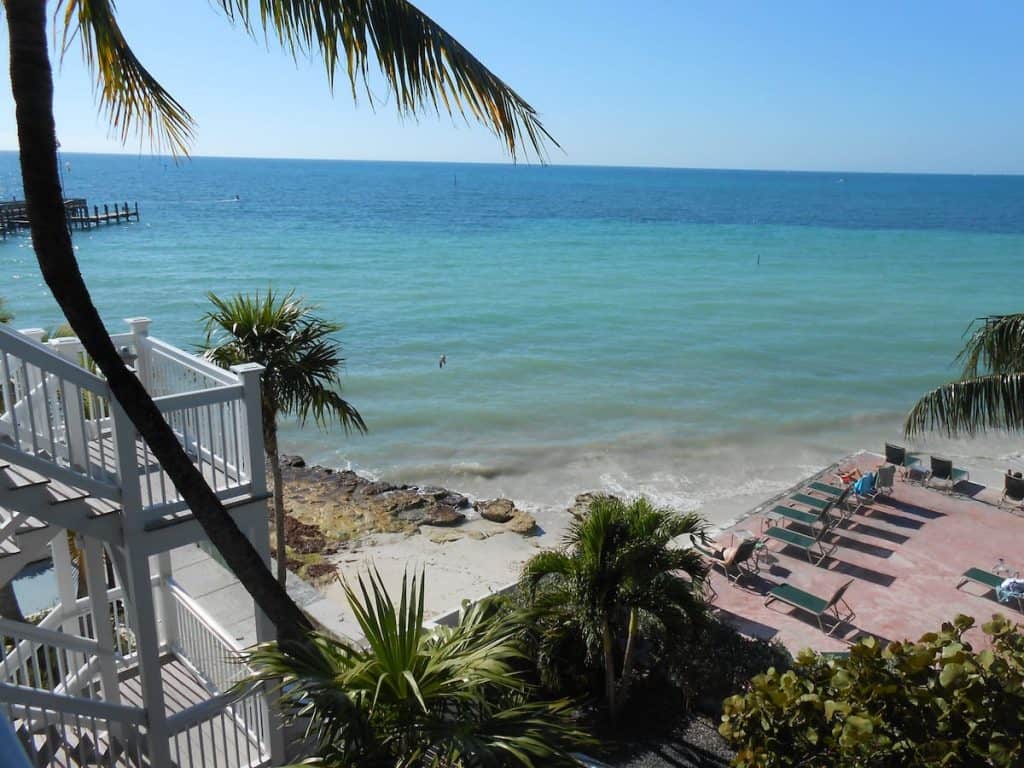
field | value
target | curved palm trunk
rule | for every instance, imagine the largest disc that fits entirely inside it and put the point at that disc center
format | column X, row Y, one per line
column 281, row 550
column 32, row 86
column 609, row 670
column 630, row 652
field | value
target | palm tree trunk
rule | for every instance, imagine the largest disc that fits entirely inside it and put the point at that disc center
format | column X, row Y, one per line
column 281, row 553
column 32, row 86
column 9, row 606
column 609, row 670
column 630, row 652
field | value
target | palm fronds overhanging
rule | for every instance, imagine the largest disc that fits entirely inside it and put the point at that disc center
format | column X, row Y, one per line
column 990, row 393
column 618, row 571
column 444, row 697
column 424, row 66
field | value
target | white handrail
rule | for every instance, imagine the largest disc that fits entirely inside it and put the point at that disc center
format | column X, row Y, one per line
column 208, row 621
column 47, row 636
column 44, row 700
column 192, row 362
column 44, row 357
column 199, row 397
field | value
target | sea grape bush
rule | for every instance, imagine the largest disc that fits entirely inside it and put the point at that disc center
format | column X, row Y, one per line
column 936, row 702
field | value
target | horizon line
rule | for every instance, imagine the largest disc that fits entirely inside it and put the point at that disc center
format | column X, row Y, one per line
column 511, row 162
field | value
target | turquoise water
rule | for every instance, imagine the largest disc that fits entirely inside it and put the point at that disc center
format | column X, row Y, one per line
column 704, row 337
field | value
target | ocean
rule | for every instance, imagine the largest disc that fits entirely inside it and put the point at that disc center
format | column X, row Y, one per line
column 706, row 338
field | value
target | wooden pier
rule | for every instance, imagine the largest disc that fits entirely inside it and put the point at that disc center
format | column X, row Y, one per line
column 14, row 214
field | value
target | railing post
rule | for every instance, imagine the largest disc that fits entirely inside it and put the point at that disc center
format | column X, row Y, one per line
column 265, row 632
column 147, row 645
column 165, row 602
column 74, row 419
column 96, row 579
column 66, row 585
column 139, row 588
column 250, row 374
column 140, row 334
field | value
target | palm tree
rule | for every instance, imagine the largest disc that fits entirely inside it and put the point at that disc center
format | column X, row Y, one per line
column 408, row 696
column 990, row 391
column 618, row 570
column 425, row 67
column 302, row 375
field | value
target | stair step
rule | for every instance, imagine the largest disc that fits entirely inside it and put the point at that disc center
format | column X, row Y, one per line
column 19, row 477
column 62, row 493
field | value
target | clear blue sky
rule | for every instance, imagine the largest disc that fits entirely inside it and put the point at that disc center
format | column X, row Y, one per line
column 874, row 86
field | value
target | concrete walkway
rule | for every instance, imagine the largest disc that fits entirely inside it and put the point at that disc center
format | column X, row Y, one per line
column 221, row 595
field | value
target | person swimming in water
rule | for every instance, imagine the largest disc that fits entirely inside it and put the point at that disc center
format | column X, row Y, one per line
column 443, row 361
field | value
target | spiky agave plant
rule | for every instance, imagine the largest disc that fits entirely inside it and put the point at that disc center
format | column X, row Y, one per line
column 448, row 696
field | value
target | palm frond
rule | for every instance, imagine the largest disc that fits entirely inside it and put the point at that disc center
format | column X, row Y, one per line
column 996, row 346
column 448, row 696
column 970, row 406
column 424, row 65
column 301, row 358
column 130, row 95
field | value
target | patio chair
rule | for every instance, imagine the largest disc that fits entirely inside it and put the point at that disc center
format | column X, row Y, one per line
column 1013, row 490
column 817, row 606
column 986, row 579
column 897, row 456
column 882, row 485
column 737, row 564
column 943, row 469
column 813, row 546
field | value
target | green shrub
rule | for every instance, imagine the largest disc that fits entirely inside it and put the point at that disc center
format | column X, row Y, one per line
column 719, row 662
column 929, row 703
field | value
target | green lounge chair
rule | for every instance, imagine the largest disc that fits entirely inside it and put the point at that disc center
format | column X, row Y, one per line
column 822, row 517
column 742, row 562
column 944, row 471
column 813, row 546
column 818, row 606
column 810, row 501
column 825, row 488
column 986, row 579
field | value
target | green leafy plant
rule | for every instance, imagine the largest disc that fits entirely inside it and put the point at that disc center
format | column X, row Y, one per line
column 450, row 696
column 617, row 580
column 302, row 373
column 930, row 703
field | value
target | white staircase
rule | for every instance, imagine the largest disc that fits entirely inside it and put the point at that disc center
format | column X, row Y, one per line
column 95, row 682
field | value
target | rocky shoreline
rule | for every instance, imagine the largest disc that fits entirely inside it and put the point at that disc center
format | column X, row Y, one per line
column 328, row 510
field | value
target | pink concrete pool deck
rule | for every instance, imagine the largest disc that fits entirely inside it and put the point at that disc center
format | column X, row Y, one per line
column 905, row 554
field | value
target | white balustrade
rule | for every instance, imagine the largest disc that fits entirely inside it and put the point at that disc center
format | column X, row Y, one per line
column 224, row 732
column 56, row 416
column 203, row 644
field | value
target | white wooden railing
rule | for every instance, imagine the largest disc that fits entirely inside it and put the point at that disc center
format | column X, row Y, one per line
column 55, row 417
column 200, row 642
column 58, row 731
column 228, row 731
